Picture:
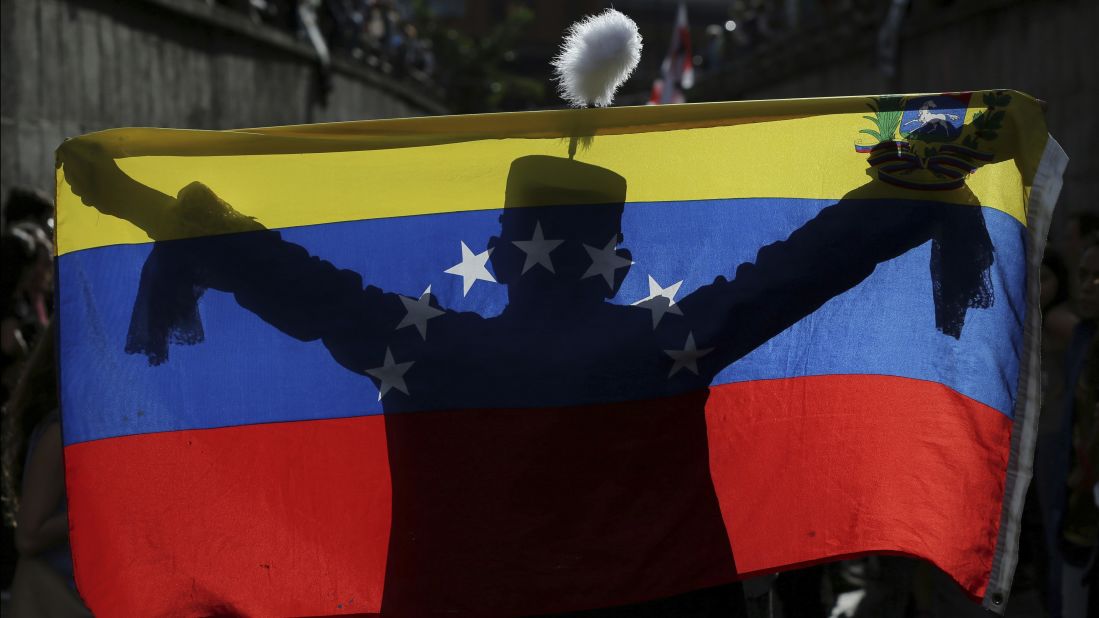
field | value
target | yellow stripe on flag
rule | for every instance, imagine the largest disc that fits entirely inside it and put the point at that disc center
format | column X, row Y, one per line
column 305, row 175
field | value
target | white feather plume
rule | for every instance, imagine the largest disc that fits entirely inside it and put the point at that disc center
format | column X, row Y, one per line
column 598, row 55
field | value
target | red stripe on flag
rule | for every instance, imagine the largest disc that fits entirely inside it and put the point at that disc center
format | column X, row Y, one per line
column 830, row 466
column 533, row 511
column 261, row 520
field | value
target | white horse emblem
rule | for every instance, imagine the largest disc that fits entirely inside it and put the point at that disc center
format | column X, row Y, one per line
column 932, row 121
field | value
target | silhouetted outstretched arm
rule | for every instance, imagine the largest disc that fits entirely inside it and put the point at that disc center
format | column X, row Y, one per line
column 96, row 179
column 834, row 252
column 301, row 295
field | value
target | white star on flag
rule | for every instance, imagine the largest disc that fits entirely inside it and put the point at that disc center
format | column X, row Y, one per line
column 418, row 312
column 390, row 374
column 472, row 268
column 605, row 261
column 660, row 300
column 537, row 249
column 687, row 358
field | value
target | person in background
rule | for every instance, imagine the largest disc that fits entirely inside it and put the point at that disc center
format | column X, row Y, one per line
column 1058, row 319
column 1080, row 531
column 27, row 223
column 34, row 492
column 25, row 204
column 1079, row 527
column 1058, row 322
column 27, row 277
column 1069, row 519
column 1080, row 230
column 26, row 285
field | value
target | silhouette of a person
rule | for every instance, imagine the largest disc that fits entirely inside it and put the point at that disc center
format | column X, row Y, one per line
column 571, row 408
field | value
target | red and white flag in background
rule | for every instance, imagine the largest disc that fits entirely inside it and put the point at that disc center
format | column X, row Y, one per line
column 677, row 72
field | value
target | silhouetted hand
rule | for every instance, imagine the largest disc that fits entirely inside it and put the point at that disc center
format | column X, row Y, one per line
column 94, row 177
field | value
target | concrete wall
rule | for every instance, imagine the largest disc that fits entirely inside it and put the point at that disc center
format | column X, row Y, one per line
column 1047, row 49
column 74, row 66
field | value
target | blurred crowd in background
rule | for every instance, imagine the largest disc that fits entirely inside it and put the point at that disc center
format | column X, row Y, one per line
column 500, row 63
column 379, row 33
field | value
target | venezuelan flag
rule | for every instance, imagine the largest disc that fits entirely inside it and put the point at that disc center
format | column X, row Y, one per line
column 444, row 365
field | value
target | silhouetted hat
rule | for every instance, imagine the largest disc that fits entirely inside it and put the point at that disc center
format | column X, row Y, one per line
column 538, row 180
